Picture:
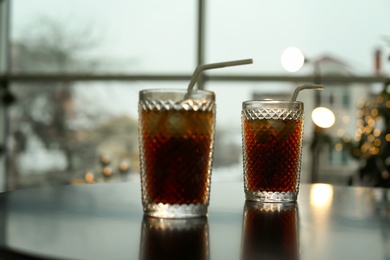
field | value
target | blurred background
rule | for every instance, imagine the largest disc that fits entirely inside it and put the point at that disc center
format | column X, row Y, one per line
column 70, row 73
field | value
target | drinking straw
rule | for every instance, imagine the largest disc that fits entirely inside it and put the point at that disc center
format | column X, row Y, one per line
column 305, row 86
column 204, row 67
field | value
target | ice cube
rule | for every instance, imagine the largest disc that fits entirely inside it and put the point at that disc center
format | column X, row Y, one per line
column 176, row 123
column 277, row 125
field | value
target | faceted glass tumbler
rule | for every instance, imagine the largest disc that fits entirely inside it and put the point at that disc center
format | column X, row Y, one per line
column 272, row 134
column 176, row 135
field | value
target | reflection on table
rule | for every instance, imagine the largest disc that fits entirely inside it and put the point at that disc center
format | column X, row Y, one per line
column 270, row 231
column 105, row 221
column 174, row 238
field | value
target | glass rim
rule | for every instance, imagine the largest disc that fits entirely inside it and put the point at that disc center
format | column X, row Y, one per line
column 174, row 90
column 176, row 95
column 270, row 103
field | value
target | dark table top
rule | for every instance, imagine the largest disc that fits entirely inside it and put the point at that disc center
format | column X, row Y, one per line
column 105, row 221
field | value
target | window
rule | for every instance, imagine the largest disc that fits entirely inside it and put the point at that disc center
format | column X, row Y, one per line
column 77, row 67
column 117, row 37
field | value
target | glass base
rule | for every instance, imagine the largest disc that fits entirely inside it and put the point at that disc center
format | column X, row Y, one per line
column 264, row 196
column 161, row 210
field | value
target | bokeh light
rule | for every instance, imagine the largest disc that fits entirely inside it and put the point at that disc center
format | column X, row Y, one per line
column 292, row 59
column 107, row 171
column 321, row 195
column 89, row 177
column 323, row 117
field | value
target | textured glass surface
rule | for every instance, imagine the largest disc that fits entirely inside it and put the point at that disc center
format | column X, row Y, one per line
column 272, row 149
column 176, row 148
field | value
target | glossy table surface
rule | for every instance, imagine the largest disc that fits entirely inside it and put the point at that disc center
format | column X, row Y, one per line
column 105, row 221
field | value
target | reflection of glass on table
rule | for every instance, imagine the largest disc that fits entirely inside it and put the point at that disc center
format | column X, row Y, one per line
column 270, row 231
column 174, row 238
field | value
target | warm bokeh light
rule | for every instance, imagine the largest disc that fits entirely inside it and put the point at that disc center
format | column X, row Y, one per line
column 377, row 132
column 346, row 139
column 346, row 119
column 292, row 59
column 105, row 159
column 123, row 166
column 374, row 150
column 374, row 112
column 89, row 177
column 107, row 171
column 321, row 195
column 323, row 117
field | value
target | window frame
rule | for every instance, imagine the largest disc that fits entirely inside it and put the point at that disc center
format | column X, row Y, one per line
column 6, row 78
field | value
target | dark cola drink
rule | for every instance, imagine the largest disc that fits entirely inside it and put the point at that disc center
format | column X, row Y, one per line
column 273, row 152
column 272, row 149
column 177, row 149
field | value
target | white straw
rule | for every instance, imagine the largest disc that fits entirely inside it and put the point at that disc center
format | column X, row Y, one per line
column 203, row 67
column 305, row 86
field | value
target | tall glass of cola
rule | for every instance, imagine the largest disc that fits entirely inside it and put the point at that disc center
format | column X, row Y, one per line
column 176, row 147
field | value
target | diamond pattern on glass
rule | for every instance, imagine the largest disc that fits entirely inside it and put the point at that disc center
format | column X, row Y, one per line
column 176, row 142
column 272, row 140
column 188, row 105
column 275, row 113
